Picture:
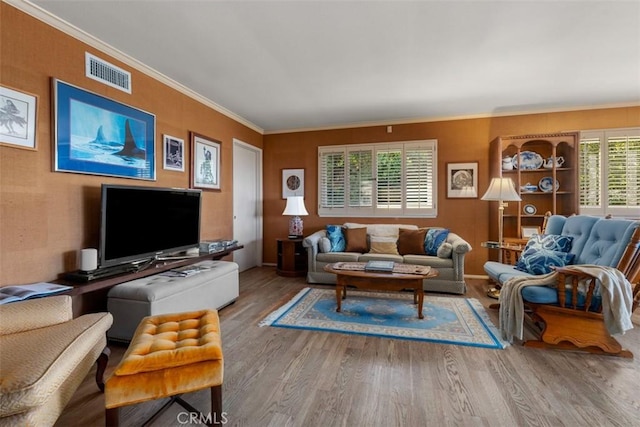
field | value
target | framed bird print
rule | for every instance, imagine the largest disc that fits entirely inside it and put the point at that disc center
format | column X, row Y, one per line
column 17, row 118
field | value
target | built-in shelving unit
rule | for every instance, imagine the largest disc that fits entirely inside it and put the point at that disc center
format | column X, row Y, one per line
column 562, row 200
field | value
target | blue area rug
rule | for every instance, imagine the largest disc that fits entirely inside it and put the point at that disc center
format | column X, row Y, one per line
column 460, row 321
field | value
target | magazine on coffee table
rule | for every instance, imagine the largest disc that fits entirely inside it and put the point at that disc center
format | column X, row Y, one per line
column 379, row 266
column 22, row 292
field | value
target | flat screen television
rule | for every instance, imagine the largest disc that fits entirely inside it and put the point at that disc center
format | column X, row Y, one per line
column 139, row 223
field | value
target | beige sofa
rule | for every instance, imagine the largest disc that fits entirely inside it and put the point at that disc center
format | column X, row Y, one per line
column 450, row 263
column 45, row 355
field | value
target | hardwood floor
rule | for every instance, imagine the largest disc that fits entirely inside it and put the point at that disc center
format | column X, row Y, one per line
column 288, row 377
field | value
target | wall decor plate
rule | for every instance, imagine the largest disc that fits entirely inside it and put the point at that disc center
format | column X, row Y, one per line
column 529, row 210
column 546, row 184
column 529, row 160
column 462, row 180
column 292, row 182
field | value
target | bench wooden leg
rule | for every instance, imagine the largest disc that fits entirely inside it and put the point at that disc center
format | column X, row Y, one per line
column 216, row 402
column 112, row 417
column 102, row 362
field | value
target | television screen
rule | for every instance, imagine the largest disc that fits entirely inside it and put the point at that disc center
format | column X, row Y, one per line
column 139, row 223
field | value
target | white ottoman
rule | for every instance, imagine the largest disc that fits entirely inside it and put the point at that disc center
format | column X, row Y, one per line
column 213, row 288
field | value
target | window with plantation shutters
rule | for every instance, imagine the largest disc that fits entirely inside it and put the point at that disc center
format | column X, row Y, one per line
column 387, row 179
column 610, row 172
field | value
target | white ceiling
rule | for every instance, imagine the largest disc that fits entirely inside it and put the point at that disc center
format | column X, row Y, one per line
column 285, row 65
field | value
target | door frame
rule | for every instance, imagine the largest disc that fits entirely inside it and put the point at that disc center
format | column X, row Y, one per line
column 259, row 197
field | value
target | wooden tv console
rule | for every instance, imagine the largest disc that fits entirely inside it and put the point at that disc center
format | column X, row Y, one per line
column 91, row 297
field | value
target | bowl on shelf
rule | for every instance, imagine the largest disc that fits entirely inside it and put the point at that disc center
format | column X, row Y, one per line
column 528, row 188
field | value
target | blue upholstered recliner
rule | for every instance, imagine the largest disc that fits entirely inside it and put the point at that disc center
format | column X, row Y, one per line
column 594, row 241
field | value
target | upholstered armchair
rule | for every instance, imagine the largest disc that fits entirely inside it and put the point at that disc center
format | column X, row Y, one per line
column 45, row 355
column 578, row 294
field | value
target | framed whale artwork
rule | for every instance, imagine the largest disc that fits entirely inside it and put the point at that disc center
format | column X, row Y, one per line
column 99, row 136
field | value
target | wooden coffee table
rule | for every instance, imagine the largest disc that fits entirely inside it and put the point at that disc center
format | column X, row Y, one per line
column 379, row 282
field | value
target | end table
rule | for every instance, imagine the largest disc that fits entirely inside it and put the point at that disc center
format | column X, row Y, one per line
column 292, row 258
column 511, row 250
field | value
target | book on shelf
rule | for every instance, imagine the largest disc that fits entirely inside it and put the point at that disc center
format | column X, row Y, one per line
column 379, row 266
column 34, row 290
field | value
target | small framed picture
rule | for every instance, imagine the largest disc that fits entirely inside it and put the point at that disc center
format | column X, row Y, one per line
column 205, row 165
column 462, row 180
column 18, row 124
column 526, row 231
column 292, row 182
column 173, row 153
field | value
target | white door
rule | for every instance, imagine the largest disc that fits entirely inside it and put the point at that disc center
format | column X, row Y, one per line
column 247, row 204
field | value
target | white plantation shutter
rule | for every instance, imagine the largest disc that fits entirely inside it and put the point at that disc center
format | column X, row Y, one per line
column 590, row 176
column 360, row 178
column 420, row 177
column 623, row 176
column 387, row 179
column 331, row 179
column 610, row 172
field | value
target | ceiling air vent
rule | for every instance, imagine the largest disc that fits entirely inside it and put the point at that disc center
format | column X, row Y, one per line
column 102, row 71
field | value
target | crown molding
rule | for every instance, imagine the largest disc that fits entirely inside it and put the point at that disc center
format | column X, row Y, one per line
column 81, row 35
column 416, row 120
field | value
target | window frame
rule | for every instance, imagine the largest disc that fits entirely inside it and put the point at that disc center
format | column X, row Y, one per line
column 375, row 210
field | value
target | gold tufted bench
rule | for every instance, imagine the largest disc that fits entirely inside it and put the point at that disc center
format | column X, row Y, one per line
column 169, row 355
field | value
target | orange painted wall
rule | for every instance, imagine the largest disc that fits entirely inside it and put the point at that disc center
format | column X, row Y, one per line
column 458, row 141
column 46, row 216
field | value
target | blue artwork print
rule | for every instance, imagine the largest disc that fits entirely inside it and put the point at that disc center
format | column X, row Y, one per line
column 96, row 135
column 105, row 137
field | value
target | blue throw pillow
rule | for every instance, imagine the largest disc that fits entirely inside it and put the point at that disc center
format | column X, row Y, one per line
column 336, row 238
column 539, row 261
column 551, row 242
column 433, row 239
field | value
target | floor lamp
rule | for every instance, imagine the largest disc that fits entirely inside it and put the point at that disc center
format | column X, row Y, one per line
column 500, row 190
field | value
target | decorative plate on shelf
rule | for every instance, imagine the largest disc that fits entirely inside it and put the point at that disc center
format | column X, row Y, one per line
column 546, row 184
column 529, row 160
column 529, row 210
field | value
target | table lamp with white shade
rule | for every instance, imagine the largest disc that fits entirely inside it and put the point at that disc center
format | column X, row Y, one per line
column 295, row 208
